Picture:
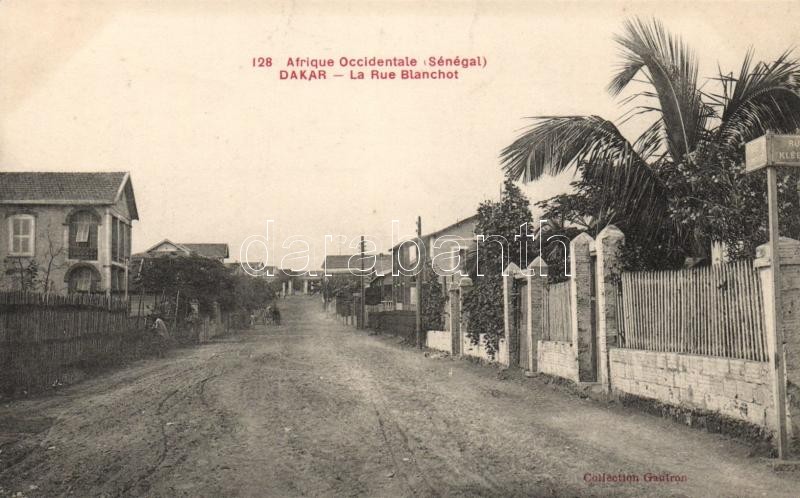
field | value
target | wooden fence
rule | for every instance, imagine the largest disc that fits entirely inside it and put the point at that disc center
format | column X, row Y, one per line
column 557, row 324
column 43, row 336
column 713, row 311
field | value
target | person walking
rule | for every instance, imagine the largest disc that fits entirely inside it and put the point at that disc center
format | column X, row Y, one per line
column 276, row 315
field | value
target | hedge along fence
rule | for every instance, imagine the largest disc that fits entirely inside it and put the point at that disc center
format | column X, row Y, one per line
column 401, row 323
column 44, row 337
column 714, row 311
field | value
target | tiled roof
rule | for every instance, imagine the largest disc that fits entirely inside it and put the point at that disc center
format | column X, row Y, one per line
column 469, row 219
column 208, row 250
column 256, row 265
column 60, row 187
column 337, row 262
column 383, row 262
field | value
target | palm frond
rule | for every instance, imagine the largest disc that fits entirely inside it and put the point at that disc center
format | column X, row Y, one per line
column 650, row 141
column 671, row 69
column 631, row 189
column 553, row 144
column 765, row 96
column 625, row 183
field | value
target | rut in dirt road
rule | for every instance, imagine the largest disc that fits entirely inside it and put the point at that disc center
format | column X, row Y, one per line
column 314, row 408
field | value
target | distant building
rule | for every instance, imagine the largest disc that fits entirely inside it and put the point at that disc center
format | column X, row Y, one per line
column 449, row 257
column 73, row 228
column 446, row 250
column 376, row 266
column 256, row 269
column 299, row 281
column 338, row 264
column 351, row 264
column 216, row 251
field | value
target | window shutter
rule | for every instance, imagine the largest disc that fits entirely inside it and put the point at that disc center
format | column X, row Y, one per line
column 93, row 236
column 82, row 234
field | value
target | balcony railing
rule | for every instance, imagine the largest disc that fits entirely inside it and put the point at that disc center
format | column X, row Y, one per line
column 80, row 252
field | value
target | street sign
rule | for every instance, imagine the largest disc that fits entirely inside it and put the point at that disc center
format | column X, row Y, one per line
column 772, row 150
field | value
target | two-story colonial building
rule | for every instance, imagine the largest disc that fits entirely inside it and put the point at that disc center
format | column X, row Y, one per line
column 66, row 232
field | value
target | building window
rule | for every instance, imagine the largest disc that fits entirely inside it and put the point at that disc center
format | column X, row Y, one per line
column 118, row 283
column 83, row 279
column 412, row 252
column 83, row 236
column 115, row 239
column 120, row 240
column 21, row 231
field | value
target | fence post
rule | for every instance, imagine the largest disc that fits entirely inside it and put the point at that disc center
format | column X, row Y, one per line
column 581, row 305
column 454, row 317
column 788, row 356
column 537, row 280
column 510, row 331
column 608, row 247
column 465, row 286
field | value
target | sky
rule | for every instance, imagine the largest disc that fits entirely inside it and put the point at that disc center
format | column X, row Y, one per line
column 217, row 147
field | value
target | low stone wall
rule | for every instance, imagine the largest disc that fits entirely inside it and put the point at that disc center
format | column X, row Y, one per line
column 557, row 358
column 440, row 340
column 739, row 389
column 479, row 351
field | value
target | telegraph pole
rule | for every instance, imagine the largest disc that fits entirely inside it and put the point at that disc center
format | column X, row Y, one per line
column 420, row 275
column 361, row 307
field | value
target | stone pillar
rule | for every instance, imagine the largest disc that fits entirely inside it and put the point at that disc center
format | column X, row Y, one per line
column 510, row 329
column 608, row 270
column 787, row 357
column 454, row 317
column 283, row 288
column 465, row 287
column 305, row 286
column 580, row 259
column 537, row 280
column 291, row 291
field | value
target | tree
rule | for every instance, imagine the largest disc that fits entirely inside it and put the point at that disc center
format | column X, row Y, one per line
column 694, row 143
column 500, row 223
column 496, row 220
column 23, row 273
column 340, row 285
column 52, row 259
column 252, row 293
column 199, row 279
column 433, row 299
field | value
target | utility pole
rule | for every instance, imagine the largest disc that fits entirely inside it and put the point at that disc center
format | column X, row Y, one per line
column 361, row 307
column 420, row 275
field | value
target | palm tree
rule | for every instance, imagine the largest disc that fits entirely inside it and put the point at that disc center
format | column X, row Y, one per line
column 635, row 175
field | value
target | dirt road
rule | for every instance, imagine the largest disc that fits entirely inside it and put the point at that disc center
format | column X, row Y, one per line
column 316, row 408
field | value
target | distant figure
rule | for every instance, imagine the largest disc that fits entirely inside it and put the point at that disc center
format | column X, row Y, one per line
column 276, row 315
column 161, row 328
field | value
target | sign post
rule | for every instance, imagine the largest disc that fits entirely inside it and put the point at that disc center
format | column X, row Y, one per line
column 771, row 151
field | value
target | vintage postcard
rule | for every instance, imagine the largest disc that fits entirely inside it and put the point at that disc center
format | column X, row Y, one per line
column 399, row 248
